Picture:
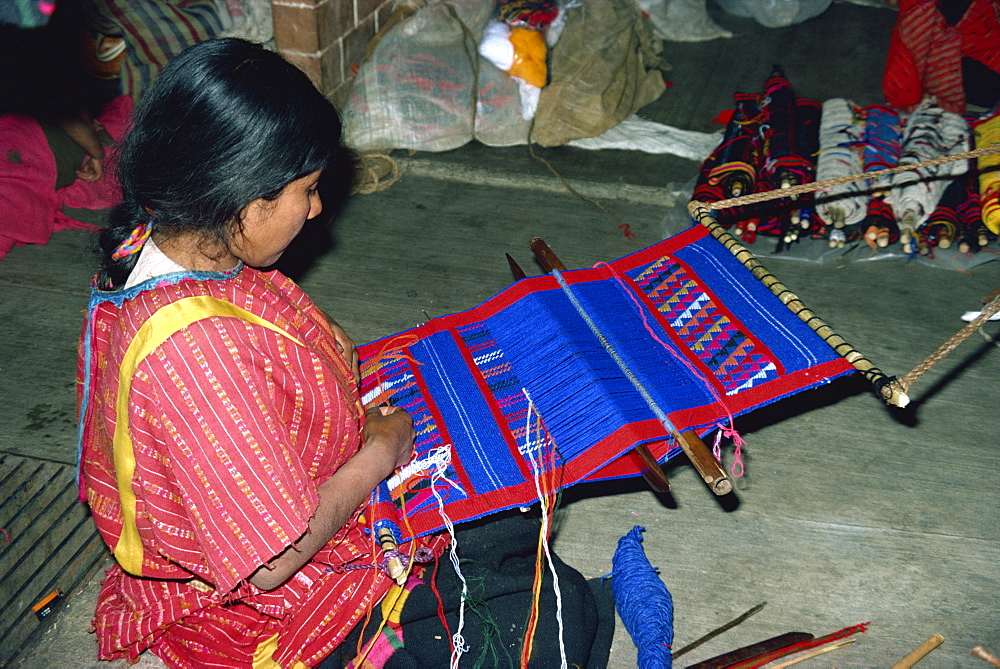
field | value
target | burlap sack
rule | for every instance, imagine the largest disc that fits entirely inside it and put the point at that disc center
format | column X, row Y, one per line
column 603, row 68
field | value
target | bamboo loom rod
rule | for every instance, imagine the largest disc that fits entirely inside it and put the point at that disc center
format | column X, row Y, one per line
column 893, row 391
column 885, row 385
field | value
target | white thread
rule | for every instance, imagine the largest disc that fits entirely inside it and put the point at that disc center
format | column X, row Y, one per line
column 536, row 470
column 442, row 458
column 437, row 459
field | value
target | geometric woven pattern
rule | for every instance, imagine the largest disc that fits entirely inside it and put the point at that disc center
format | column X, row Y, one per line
column 499, row 376
column 728, row 352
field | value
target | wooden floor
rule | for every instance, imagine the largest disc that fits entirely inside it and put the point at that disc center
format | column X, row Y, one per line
column 849, row 512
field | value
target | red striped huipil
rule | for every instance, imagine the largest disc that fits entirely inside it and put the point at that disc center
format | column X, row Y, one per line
column 233, row 428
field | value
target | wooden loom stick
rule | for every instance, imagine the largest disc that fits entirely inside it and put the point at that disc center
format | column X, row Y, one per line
column 919, row 652
column 651, row 470
column 719, row 630
column 515, row 269
column 886, row 386
column 985, row 655
column 752, row 651
column 394, row 567
column 711, row 472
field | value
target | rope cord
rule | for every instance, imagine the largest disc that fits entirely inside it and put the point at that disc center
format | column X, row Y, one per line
column 892, row 390
column 950, row 345
column 375, row 171
column 622, row 225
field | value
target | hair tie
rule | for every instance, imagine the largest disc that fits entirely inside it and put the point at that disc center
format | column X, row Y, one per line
column 133, row 243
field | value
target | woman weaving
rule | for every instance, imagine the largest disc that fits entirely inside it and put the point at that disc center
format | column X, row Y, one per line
column 225, row 455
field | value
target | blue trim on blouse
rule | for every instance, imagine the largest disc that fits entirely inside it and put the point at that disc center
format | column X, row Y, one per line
column 119, row 297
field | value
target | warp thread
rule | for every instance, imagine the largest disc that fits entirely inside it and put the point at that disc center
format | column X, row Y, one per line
column 725, row 430
column 643, row 602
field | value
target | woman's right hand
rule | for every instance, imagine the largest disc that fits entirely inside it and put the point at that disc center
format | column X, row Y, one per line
column 391, row 429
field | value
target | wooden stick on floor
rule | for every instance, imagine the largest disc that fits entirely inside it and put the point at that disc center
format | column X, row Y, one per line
column 985, row 655
column 919, row 652
column 718, row 481
column 719, row 630
column 836, row 645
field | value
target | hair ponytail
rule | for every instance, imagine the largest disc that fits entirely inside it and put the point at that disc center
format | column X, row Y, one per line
column 122, row 222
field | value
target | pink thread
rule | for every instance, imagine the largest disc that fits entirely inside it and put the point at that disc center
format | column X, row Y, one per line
column 728, row 431
column 47, row 7
column 5, row 535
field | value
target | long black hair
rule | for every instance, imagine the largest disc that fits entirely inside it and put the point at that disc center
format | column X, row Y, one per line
column 225, row 123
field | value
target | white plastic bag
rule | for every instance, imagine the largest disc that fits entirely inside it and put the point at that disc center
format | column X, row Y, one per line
column 682, row 20
column 776, row 13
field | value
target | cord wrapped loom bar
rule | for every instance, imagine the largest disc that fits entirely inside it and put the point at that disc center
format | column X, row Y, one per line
column 886, row 386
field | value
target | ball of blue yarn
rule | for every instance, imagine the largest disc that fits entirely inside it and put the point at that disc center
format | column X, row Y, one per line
column 643, row 602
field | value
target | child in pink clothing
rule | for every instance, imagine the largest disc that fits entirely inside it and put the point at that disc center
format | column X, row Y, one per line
column 31, row 195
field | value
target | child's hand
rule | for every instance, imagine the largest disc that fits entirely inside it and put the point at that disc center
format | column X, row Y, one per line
column 90, row 169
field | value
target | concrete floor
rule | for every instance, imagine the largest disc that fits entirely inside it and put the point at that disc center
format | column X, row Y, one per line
column 849, row 512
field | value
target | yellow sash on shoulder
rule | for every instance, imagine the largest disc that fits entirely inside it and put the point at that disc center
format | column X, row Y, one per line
column 162, row 325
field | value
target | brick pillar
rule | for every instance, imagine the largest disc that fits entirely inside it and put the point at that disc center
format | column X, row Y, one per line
column 326, row 38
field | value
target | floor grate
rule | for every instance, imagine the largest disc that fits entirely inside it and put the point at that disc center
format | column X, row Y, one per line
column 48, row 545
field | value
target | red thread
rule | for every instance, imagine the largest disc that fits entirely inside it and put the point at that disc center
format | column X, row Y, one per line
column 440, row 606
column 5, row 535
column 761, row 660
column 626, row 230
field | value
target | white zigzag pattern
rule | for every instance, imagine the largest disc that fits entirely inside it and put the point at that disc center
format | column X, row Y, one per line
column 691, row 308
column 480, row 360
column 751, row 382
column 385, row 386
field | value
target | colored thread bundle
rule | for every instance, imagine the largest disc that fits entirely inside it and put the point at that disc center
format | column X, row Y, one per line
column 643, row 602
column 538, row 453
column 880, row 140
column 930, row 132
column 839, row 133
